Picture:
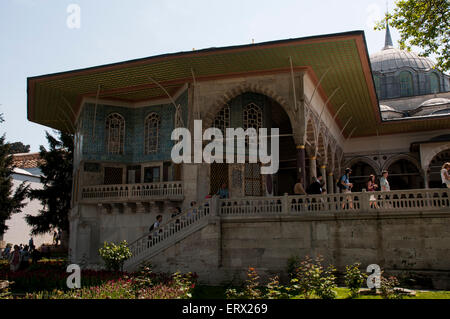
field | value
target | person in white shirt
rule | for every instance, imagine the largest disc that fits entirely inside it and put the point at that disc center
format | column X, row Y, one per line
column 384, row 183
column 445, row 175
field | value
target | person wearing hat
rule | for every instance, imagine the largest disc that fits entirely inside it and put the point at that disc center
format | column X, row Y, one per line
column 347, row 187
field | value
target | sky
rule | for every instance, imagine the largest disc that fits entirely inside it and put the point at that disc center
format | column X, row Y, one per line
column 45, row 36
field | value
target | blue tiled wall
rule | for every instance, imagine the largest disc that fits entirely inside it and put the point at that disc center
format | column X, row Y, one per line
column 95, row 149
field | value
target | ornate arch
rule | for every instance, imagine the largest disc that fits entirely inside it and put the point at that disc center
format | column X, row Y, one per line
column 216, row 107
column 407, row 157
column 366, row 160
column 426, row 160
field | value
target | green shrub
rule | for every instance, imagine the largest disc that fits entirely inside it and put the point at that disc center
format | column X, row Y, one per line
column 114, row 255
column 311, row 278
column 251, row 287
column 387, row 288
column 292, row 264
column 274, row 290
column 354, row 278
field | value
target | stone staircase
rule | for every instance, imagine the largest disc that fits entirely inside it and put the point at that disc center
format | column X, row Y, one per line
column 175, row 230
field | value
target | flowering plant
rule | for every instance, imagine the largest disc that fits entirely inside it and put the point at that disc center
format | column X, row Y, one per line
column 114, row 255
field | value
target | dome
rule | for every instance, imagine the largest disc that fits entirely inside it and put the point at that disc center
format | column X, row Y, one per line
column 435, row 101
column 392, row 59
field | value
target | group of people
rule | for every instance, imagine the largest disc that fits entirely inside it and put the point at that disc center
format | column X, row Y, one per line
column 155, row 228
column 317, row 185
column 19, row 255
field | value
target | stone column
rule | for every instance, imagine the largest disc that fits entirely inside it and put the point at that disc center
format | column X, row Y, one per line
column 425, row 178
column 330, row 189
column 312, row 168
column 323, row 171
column 301, row 173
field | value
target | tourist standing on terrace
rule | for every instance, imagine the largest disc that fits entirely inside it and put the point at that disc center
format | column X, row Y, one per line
column 298, row 188
column 445, row 175
column 223, row 191
column 346, row 187
column 384, row 183
column 372, row 187
column 316, row 186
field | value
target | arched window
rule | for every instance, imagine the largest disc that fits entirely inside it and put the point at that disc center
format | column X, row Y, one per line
column 252, row 116
column 151, row 137
column 376, row 80
column 222, row 119
column 115, row 133
column 406, row 87
column 434, row 83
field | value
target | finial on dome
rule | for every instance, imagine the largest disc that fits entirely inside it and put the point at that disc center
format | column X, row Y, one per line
column 387, row 39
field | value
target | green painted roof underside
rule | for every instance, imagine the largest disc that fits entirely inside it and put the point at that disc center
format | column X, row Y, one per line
column 52, row 96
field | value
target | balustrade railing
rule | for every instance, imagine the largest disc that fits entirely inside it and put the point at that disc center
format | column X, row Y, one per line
column 362, row 202
column 132, row 191
column 411, row 200
column 251, row 206
column 168, row 230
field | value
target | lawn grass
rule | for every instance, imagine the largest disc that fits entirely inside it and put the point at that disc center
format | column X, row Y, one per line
column 218, row 292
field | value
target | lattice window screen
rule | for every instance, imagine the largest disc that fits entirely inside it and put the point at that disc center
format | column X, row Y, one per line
column 218, row 176
column 115, row 130
column 113, row 175
column 222, row 119
column 252, row 116
column 253, row 184
column 151, row 138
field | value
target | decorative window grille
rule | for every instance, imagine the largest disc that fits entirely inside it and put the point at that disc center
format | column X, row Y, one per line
column 253, row 185
column 252, row 116
column 115, row 130
column 252, row 177
column 406, row 88
column 151, row 138
column 113, row 175
column 222, row 119
column 218, row 176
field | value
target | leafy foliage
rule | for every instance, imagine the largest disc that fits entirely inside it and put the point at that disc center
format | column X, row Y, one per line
column 354, row 278
column 312, row 278
column 18, row 147
column 55, row 196
column 293, row 264
column 387, row 288
column 158, row 286
column 10, row 202
column 115, row 255
column 250, row 290
column 424, row 24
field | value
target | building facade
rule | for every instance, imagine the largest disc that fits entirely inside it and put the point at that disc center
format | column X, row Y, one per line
column 321, row 92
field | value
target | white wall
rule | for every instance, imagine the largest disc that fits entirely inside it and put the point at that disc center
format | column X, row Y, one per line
column 19, row 230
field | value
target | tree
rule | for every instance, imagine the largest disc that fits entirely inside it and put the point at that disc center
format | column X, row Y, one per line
column 10, row 203
column 18, row 147
column 55, row 196
column 425, row 24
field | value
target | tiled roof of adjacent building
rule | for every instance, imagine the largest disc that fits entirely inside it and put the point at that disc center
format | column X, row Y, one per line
column 27, row 160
